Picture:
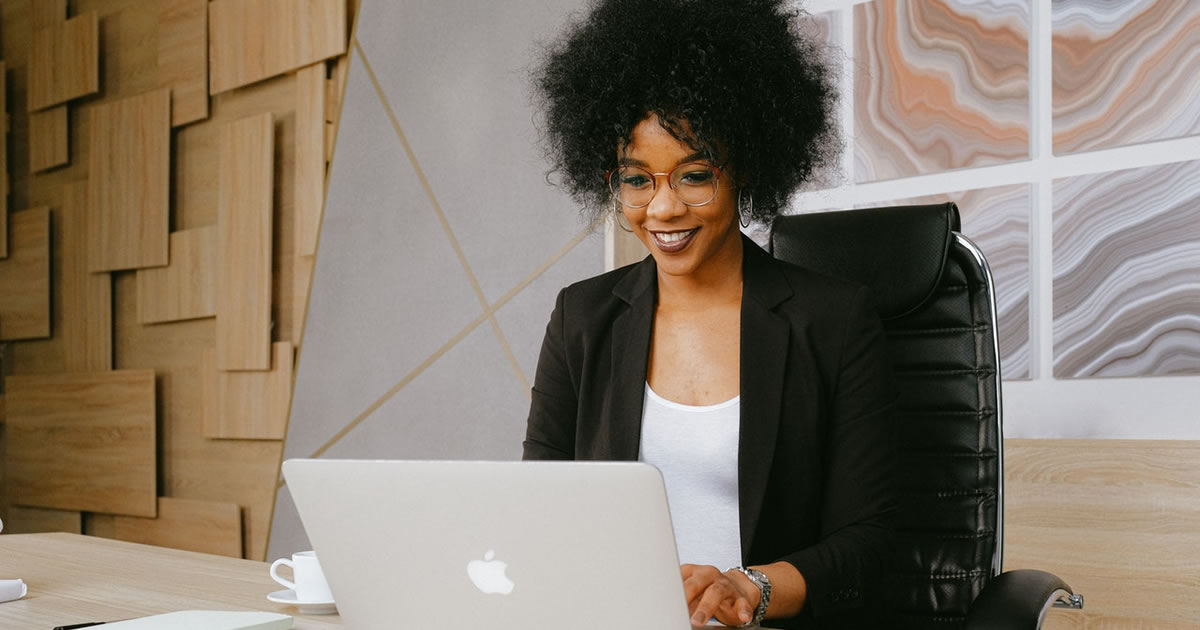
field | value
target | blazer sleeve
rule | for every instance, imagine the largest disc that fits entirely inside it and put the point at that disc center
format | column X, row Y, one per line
column 550, row 428
column 844, row 569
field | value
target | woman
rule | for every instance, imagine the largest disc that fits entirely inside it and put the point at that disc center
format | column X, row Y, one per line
column 758, row 388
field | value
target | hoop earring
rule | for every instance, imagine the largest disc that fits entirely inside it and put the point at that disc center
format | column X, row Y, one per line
column 745, row 207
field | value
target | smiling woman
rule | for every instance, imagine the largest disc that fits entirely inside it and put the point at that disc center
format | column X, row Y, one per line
column 759, row 389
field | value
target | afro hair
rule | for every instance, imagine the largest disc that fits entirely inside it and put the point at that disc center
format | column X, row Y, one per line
column 737, row 79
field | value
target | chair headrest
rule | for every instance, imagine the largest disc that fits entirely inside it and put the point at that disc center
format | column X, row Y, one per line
column 898, row 252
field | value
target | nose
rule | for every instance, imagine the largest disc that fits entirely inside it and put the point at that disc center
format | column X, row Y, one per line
column 665, row 205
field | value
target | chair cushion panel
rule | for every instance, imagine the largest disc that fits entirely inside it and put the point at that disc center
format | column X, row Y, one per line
column 945, row 472
column 947, row 513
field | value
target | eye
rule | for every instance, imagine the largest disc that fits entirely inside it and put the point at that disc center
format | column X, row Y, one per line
column 634, row 180
column 697, row 176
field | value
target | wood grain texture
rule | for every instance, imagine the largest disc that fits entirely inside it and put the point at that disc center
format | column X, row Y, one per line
column 129, row 182
column 25, row 277
column 83, row 441
column 78, row 578
column 183, row 57
column 29, row 520
column 251, row 40
column 48, row 139
column 244, row 223
column 3, row 161
column 64, row 62
column 1119, row 520
column 183, row 289
column 310, row 156
column 203, row 526
column 86, row 316
column 248, row 405
column 47, row 12
column 302, row 275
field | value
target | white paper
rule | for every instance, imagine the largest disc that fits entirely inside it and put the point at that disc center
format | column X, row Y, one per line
column 12, row 589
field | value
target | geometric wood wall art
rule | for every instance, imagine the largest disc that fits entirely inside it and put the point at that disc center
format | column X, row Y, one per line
column 3, row 163
column 45, row 13
column 48, row 139
column 64, row 61
column 251, row 40
column 25, row 277
column 248, row 405
column 31, row 520
column 939, row 85
column 184, row 288
column 129, row 182
column 1121, row 72
column 83, row 441
column 310, row 156
column 203, row 526
column 246, row 150
column 183, row 57
column 86, row 317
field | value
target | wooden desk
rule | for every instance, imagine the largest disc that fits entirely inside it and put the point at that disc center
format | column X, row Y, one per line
column 73, row 579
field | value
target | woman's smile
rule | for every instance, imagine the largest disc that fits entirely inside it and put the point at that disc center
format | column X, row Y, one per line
column 673, row 241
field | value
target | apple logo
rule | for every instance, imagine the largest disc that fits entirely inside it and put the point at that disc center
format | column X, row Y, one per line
column 488, row 575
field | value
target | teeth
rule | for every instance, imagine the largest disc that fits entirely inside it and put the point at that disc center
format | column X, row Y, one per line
column 673, row 237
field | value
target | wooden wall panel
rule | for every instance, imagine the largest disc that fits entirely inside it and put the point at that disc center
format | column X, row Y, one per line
column 129, row 182
column 25, row 277
column 183, row 57
column 251, row 40
column 64, row 62
column 45, row 13
column 83, row 441
column 244, row 220
column 203, row 526
column 310, row 156
column 1119, row 520
column 86, row 317
column 248, row 405
column 183, row 289
column 48, row 139
column 27, row 520
column 3, row 161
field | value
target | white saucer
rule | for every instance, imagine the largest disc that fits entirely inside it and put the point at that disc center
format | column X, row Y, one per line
column 288, row 596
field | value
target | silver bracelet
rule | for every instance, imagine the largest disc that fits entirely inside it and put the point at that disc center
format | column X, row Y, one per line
column 763, row 583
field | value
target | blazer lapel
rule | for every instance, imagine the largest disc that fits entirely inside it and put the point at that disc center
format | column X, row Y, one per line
column 764, row 343
column 630, row 355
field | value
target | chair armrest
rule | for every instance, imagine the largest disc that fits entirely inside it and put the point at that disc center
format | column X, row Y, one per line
column 1016, row 600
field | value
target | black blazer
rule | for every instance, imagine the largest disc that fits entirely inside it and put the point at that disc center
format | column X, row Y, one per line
column 816, row 449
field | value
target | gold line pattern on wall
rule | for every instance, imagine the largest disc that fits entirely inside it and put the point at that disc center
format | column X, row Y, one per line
column 939, row 84
column 129, row 162
column 86, row 317
column 64, row 62
column 248, row 405
column 1124, row 72
column 247, row 44
column 183, row 57
column 204, row 526
column 184, row 289
column 244, row 223
column 25, row 277
column 83, row 441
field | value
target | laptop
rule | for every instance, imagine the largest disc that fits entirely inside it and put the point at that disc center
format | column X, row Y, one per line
column 497, row 545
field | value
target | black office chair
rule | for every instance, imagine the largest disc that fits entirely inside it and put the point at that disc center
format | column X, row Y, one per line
column 935, row 295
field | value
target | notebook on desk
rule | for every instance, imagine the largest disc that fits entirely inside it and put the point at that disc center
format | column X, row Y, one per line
column 499, row 545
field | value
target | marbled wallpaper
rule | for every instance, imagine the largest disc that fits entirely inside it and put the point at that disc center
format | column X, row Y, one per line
column 939, row 84
column 997, row 220
column 1121, row 72
column 1127, row 273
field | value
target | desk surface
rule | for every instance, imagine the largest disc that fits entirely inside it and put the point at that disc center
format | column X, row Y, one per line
column 73, row 579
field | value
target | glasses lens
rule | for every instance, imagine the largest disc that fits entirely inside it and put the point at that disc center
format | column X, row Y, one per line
column 695, row 184
column 633, row 186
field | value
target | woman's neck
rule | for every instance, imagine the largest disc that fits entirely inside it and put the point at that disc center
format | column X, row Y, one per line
column 718, row 281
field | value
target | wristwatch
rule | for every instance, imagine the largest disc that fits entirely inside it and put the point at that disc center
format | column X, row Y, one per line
column 763, row 583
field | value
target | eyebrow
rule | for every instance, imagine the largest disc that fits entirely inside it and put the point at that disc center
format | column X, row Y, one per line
column 698, row 155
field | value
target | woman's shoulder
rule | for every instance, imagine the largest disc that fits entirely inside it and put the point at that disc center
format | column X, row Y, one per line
column 619, row 283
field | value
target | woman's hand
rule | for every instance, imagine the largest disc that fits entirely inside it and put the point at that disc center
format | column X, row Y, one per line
column 730, row 597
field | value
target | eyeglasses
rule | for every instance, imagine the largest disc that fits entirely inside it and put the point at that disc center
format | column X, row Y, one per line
column 694, row 183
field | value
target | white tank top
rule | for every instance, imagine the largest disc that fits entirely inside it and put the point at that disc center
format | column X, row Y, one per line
column 696, row 449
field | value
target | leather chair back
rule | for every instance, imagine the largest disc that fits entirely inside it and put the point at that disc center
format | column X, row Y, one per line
column 935, row 295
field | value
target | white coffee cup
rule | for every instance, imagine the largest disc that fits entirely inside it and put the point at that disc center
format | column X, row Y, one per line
column 309, row 584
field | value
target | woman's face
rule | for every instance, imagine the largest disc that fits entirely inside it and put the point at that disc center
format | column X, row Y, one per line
column 684, row 240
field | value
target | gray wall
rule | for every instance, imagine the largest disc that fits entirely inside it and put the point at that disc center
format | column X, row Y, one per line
column 442, row 247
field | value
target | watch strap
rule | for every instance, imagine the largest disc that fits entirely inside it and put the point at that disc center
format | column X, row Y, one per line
column 763, row 583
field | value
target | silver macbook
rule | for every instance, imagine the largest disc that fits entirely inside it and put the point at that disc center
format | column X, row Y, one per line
column 497, row 545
